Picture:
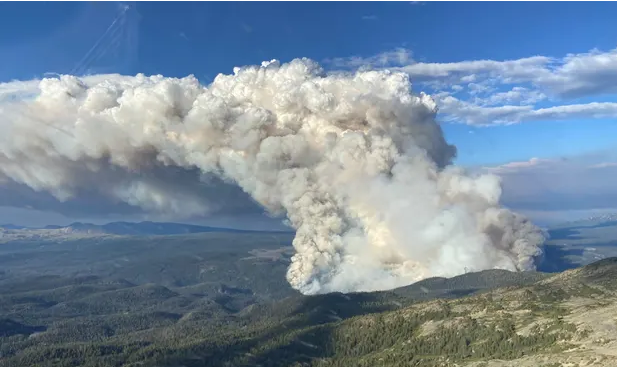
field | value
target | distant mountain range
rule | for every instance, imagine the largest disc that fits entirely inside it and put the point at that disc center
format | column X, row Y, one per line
column 12, row 226
column 127, row 228
column 604, row 219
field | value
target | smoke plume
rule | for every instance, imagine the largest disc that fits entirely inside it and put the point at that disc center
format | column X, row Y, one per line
column 357, row 163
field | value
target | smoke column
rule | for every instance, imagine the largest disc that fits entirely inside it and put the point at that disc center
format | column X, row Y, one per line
column 357, row 163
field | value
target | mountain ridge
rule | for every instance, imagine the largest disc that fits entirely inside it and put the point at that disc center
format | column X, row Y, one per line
column 144, row 228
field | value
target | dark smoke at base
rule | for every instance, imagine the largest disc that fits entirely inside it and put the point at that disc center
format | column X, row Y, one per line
column 356, row 162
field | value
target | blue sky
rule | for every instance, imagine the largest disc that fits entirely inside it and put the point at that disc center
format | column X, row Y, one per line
column 437, row 43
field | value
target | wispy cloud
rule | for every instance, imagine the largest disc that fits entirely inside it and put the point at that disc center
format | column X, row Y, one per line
column 369, row 17
column 575, row 75
column 579, row 75
column 517, row 95
column 494, row 92
column 520, row 69
column 514, row 166
column 459, row 111
column 604, row 165
column 395, row 57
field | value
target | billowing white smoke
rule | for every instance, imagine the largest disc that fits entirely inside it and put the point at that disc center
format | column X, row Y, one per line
column 356, row 162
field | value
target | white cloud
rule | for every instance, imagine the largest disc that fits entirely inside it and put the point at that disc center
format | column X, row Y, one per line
column 589, row 110
column 469, row 78
column 458, row 111
column 514, row 166
column 604, row 165
column 518, row 95
column 579, row 75
column 396, row 57
column 520, row 69
column 505, row 92
column 478, row 88
column 575, row 75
